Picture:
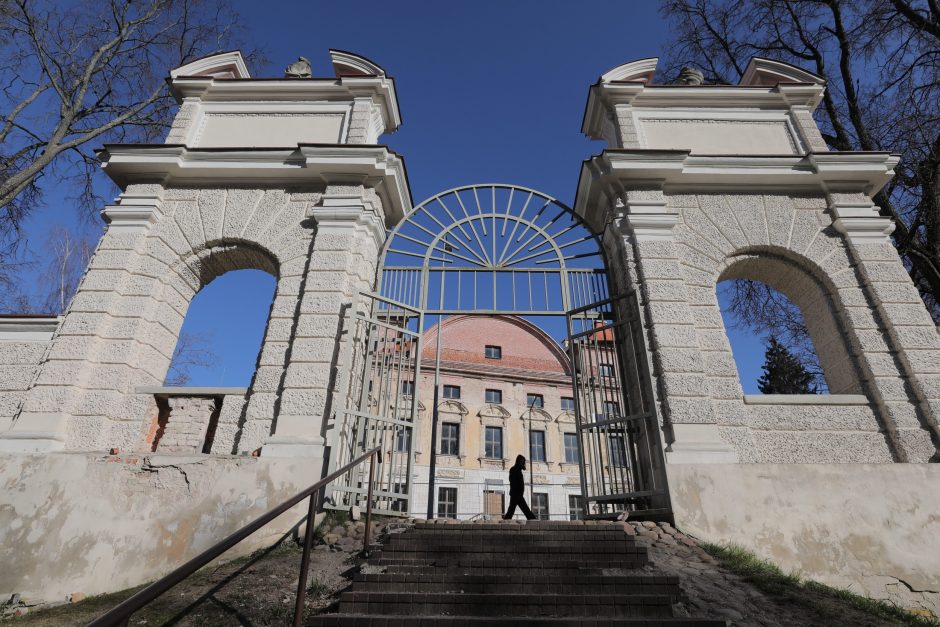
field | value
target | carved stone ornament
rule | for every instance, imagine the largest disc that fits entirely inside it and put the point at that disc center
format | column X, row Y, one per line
column 298, row 69
column 690, row 76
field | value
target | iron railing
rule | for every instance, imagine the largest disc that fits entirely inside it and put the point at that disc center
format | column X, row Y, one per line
column 121, row 614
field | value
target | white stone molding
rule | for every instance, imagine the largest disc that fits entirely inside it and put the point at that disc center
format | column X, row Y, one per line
column 28, row 328
column 344, row 208
column 761, row 71
column 350, row 64
column 806, row 399
column 178, row 166
column 858, row 219
column 699, row 444
column 640, row 71
column 677, row 171
column 136, row 209
column 222, row 65
column 274, row 94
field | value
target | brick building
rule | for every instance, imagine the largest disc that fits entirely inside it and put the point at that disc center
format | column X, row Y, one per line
column 493, row 368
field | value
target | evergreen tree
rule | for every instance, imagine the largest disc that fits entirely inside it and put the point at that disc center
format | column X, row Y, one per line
column 783, row 372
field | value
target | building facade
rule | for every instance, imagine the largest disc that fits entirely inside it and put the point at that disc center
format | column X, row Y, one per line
column 505, row 391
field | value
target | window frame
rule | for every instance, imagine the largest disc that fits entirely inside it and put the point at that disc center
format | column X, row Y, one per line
column 444, row 503
column 541, row 512
column 486, row 396
column 407, row 387
column 562, row 403
column 544, row 454
column 578, row 507
column 528, row 400
column 447, row 387
column 455, row 439
column 487, row 429
column 497, row 351
column 605, row 370
column 400, row 440
column 617, row 447
column 576, row 458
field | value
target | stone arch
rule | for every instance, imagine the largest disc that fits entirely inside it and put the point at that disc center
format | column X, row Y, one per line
column 805, row 286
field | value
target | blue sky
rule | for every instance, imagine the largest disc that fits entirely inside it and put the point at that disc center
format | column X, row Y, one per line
column 489, row 92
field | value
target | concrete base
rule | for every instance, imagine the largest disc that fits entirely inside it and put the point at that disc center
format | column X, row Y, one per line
column 699, row 444
column 93, row 523
column 871, row 528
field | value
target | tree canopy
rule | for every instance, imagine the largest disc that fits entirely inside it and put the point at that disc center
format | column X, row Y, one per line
column 82, row 70
column 783, row 372
column 881, row 61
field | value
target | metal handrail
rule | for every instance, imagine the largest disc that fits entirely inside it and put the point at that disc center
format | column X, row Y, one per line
column 120, row 614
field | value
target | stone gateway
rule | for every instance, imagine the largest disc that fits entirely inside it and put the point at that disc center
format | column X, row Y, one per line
column 110, row 479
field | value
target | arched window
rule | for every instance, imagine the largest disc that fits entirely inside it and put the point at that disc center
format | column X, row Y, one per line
column 222, row 333
column 771, row 344
column 779, row 314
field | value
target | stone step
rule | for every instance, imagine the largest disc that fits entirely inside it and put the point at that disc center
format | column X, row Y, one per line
column 546, row 584
column 553, row 605
column 377, row 620
column 543, row 548
column 495, row 562
column 450, row 570
column 516, row 539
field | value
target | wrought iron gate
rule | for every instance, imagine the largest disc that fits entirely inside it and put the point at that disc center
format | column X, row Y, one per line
column 498, row 249
column 378, row 372
column 621, row 456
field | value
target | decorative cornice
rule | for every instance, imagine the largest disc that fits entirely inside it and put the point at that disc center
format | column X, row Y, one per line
column 604, row 176
column 175, row 165
column 381, row 89
column 135, row 210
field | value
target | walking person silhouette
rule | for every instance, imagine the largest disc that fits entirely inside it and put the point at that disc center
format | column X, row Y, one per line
column 517, row 490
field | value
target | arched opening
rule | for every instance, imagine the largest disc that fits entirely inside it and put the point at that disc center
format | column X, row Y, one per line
column 772, row 348
column 221, row 336
column 201, row 406
column 779, row 316
column 505, row 274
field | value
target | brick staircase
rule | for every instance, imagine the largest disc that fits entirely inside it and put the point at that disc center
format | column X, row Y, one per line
column 539, row 573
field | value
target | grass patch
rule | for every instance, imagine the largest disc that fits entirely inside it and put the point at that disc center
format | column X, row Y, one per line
column 771, row 579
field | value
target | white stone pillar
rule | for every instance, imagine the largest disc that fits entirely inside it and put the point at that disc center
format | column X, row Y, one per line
column 349, row 235
column 646, row 223
column 906, row 342
column 82, row 383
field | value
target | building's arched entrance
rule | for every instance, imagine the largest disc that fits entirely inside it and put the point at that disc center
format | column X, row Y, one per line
column 499, row 249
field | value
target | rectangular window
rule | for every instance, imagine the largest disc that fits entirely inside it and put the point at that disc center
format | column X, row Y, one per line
column 535, row 401
column 408, row 388
column 450, row 439
column 493, row 443
column 537, row 446
column 403, row 440
column 575, row 507
column 400, row 505
column 451, row 391
column 618, row 454
column 493, row 352
column 611, row 409
column 447, row 502
column 540, row 505
column 494, row 396
column 605, row 370
column 571, row 448
column 567, row 403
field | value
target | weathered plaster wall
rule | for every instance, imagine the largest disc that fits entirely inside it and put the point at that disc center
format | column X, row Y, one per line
column 19, row 362
column 81, row 522
column 874, row 528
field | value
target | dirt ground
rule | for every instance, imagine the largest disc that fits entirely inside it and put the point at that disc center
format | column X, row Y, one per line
column 258, row 590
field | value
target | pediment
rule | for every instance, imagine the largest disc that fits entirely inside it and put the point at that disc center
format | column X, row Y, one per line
column 494, row 411
column 451, row 406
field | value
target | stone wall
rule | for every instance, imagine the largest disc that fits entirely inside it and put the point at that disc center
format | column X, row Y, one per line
column 24, row 341
column 872, row 528
column 92, row 523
